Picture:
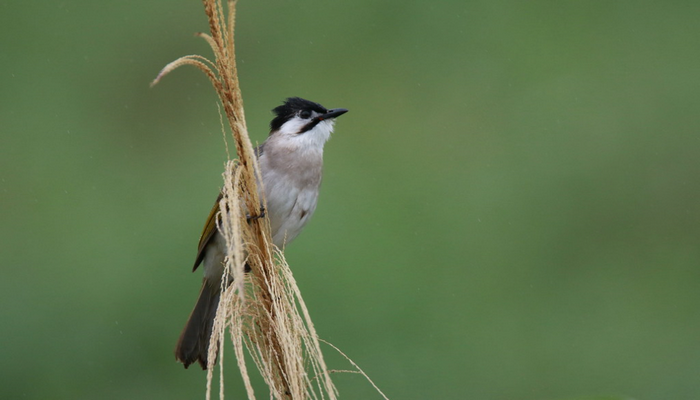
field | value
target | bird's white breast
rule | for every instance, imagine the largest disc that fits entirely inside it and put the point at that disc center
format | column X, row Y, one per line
column 291, row 185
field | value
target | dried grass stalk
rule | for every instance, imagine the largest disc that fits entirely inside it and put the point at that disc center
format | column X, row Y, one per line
column 263, row 310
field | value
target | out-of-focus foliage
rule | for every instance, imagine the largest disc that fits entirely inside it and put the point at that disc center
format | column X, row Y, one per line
column 509, row 210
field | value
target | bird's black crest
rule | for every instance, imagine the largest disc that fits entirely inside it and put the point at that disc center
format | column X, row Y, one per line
column 290, row 108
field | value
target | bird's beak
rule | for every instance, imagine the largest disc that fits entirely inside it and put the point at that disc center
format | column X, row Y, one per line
column 336, row 112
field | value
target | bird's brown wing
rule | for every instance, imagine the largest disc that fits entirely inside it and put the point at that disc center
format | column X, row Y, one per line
column 210, row 226
column 208, row 232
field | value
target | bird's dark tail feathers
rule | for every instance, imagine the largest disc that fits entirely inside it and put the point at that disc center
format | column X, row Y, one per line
column 193, row 344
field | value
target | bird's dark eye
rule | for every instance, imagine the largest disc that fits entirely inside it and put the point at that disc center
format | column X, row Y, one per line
column 305, row 114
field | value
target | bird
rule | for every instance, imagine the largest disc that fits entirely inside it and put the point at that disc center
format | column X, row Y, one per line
column 291, row 163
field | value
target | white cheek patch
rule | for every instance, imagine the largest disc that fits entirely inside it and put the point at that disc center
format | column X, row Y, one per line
column 313, row 139
column 293, row 126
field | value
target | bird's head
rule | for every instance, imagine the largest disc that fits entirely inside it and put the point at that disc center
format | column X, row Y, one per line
column 304, row 122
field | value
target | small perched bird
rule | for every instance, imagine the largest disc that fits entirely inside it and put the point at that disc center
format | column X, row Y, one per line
column 291, row 162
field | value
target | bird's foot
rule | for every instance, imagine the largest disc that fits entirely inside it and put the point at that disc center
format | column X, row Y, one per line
column 261, row 214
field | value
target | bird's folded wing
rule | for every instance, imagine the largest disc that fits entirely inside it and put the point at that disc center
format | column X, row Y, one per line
column 208, row 232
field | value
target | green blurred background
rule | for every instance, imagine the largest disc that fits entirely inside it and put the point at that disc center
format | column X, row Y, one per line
column 509, row 211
